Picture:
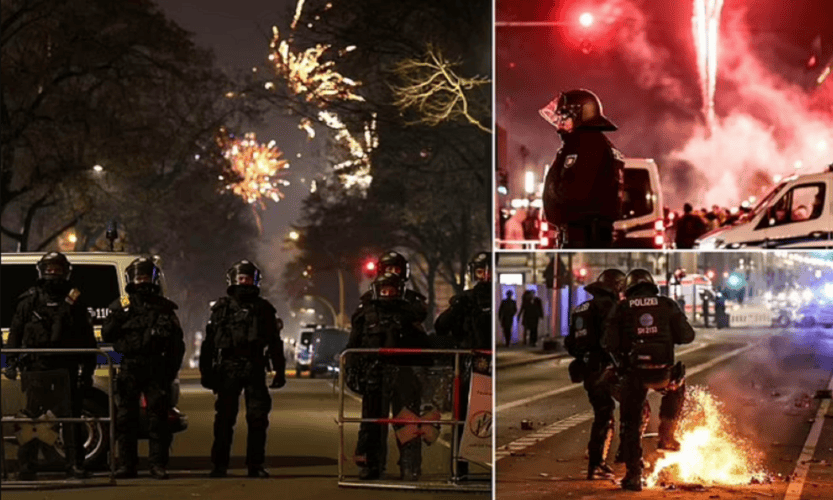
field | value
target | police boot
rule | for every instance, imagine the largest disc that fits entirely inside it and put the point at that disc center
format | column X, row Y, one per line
column 76, row 472
column 258, row 471
column 601, row 470
column 217, row 472
column 158, row 472
column 410, row 460
column 369, row 472
column 632, row 481
column 126, row 472
column 666, row 435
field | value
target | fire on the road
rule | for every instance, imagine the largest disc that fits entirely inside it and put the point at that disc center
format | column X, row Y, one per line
column 709, row 453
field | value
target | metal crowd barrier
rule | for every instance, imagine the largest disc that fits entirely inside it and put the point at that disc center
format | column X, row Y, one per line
column 111, row 408
column 454, row 483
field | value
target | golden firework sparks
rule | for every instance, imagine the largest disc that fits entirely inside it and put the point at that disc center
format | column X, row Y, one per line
column 318, row 82
column 253, row 168
column 355, row 170
column 709, row 452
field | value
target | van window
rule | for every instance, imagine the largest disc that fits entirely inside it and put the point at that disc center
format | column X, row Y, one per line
column 801, row 203
column 639, row 196
column 98, row 284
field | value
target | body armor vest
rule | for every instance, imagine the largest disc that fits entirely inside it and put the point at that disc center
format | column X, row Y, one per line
column 150, row 329
column 646, row 323
column 48, row 321
column 238, row 325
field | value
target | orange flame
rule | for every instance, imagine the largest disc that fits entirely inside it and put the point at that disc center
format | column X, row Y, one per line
column 709, row 453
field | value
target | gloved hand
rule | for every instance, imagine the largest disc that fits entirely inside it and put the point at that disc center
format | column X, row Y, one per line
column 208, row 381
column 278, row 382
column 11, row 373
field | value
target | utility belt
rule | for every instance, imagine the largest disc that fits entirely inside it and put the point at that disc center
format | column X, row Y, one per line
column 248, row 353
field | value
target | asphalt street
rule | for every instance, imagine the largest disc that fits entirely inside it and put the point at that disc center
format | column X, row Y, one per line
column 766, row 379
column 301, row 455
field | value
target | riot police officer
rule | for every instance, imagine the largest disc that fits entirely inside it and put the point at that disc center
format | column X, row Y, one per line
column 144, row 328
column 49, row 315
column 584, row 189
column 469, row 321
column 392, row 262
column 386, row 382
column 641, row 333
column 242, row 337
column 592, row 362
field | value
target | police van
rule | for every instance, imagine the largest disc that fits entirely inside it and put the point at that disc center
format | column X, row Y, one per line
column 100, row 277
column 643, row 221
column 796, row 213
column 318, row 349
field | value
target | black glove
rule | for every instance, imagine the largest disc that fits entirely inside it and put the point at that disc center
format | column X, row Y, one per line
column 208, row 381
column 11, row 373
column 278, row 382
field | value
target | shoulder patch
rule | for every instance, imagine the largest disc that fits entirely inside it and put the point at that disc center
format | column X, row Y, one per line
column 125, row 301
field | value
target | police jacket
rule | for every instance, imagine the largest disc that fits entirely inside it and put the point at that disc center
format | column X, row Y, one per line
column 144, row 328
column 642, row 330
column 586, row 180
column 386, row 323
column 587, row 324
column 243, row 330
column 469, row 318
column 57, row 320
column 414, row 299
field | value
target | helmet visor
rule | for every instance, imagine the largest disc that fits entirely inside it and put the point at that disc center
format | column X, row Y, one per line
column 391, row 269
column 388, row 291
column 555, row 117
column 245, row 279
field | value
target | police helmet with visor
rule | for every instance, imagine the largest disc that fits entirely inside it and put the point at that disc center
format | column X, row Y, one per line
column 54, row 266
column 393, row 263
column 610, row 280
column 142, row 273
column 244, row 272
column 388, row 287
column 582, row 106
column 480, row 268
column 640, row 278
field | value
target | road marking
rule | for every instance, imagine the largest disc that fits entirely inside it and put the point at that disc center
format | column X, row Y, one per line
column 803, row 465
column 555, row 392
column 580, row 418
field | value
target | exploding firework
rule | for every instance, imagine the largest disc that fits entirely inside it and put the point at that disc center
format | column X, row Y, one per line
column 706, row 26
column 306, row 75
column 355, row 170
column 709, row 453
column 253, row 168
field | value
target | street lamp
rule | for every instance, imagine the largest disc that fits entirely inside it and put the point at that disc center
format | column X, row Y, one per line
column 585, row 19
column 294, row 235
column 529, row 183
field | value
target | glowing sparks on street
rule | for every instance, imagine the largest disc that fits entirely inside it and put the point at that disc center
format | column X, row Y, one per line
column 318, row 82
column 706, row 26
column 253, row 167
column 709, row 453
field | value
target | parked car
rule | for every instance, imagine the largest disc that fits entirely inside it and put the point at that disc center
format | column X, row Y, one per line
column 100, row 277
column 318, row 349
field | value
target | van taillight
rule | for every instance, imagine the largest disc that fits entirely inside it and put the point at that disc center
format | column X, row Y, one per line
column 659, row 226
column 544, row 242
column 544, row 226
column 659, row 241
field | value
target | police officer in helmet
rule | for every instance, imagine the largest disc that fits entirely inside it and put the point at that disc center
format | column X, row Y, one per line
column 49, row 315
column 468, row 320
column 242, row 338
column 386, row 383
column 641, row 333
column 145, row 330
column 392, row 262
column 592, row 362
column 584, row 189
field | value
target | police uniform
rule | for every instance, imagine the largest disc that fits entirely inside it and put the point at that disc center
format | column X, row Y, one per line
column 584, row 188
column 584, row 343
column 144, row 329
column 49, row 316
column 641, row 333
column 386, row 382
column 242, row 336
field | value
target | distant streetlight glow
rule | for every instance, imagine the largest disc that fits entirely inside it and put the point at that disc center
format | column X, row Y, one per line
column 293, row 235
column 72, row 238
column 98, row 168
column 529, row 183
column 586, row 19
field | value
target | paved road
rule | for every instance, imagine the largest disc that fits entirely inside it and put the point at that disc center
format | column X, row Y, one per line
column 763, row 377
column 302, row 454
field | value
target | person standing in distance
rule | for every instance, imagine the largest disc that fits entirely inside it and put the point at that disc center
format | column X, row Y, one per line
column 641, row 333
column 49, row 315
column 584, row 342
column 531, row 313
column 242, row 337
column 144, row 329
column 584, row 189
column 506, row 315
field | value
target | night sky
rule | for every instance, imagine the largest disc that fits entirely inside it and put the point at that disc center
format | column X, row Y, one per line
column 640, row 60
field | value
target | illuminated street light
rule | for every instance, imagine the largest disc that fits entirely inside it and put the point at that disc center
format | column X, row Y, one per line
column 72, row 238
column 293, row 235
column 585, row 19
column 98, row 168
column 529, row 183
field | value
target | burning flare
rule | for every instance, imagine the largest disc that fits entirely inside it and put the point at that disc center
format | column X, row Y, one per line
column 709, row 453
column 706, row 27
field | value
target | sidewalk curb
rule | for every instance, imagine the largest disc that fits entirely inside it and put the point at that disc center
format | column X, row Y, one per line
column 529, row 361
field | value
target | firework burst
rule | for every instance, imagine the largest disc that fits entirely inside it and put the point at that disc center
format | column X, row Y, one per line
column 709, row 453
column 253, row 169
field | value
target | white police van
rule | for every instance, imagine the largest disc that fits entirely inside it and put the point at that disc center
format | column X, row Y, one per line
column 796, row 213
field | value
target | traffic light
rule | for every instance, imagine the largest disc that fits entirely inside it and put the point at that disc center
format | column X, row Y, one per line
column 581, row 275
column 369, row 268
column 586, row 19
column 710, row 274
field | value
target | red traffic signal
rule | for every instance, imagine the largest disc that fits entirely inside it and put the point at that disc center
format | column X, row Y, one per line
column 586, row 19
column 369, row 268
column 581, row 275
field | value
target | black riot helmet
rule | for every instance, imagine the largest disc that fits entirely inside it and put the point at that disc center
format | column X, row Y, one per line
column 639, row 278
column 54, row 266
column 388, row 287
column 143, row 273
column 583, row 106
column 393, row 263
column 610, row 280
column 480, row 268
column 243, row 273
